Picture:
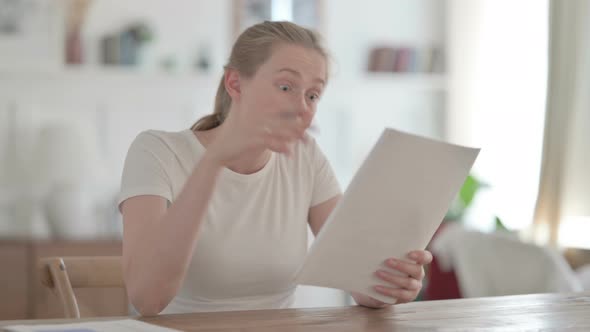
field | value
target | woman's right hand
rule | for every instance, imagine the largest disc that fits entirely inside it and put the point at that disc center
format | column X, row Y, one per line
column 243, row 133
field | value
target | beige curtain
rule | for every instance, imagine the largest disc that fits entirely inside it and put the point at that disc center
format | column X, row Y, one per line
column 564, row 189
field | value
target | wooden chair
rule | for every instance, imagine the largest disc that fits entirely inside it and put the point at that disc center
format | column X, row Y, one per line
column 64, row 274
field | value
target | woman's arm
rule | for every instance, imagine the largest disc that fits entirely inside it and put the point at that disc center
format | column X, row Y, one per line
column 319, row 214
column 158, row 241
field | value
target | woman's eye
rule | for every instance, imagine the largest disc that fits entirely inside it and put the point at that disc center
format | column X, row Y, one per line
column 284, row 87
column 314, row 97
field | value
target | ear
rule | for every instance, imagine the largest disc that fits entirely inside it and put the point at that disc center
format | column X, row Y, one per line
column 232, row 83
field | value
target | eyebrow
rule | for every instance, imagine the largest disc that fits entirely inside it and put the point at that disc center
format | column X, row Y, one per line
column 295, row 72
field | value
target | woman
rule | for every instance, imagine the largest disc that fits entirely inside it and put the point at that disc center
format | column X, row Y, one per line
column 215, row 217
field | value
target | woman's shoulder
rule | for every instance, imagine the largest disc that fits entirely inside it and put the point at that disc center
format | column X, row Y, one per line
column 162, row 142
column 155, row 135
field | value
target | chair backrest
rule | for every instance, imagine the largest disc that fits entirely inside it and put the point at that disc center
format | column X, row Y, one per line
column 497, row 264
column 64, row 274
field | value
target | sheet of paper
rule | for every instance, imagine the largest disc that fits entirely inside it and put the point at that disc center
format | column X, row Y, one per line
column 393, row 205
column 123, row 325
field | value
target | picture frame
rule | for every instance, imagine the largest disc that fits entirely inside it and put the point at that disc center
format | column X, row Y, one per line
column 307, row 13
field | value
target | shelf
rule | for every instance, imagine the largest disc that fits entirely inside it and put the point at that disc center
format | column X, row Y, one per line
column 416, row 80
column 105, row 72
column 106, row 83
column 379, row 83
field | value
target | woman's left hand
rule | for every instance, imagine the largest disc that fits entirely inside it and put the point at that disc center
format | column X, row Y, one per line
column 403, row 288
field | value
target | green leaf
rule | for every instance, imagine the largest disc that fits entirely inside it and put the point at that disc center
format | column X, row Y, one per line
column 469, row 190
column 464, row 198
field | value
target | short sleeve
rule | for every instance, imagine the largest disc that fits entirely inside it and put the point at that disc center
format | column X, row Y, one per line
column 325, row 184
column 144, row 172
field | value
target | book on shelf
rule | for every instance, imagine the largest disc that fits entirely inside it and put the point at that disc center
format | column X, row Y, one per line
column 404, row 59
column 382, row 59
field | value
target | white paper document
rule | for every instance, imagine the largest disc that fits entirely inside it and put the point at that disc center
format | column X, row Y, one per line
column 123, row 325
column 393, row 205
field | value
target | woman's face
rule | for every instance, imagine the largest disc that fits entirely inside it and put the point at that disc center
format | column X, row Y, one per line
column 290, row 82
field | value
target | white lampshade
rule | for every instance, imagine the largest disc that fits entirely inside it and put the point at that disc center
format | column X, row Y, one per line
column 65, row 155
column 69, row 172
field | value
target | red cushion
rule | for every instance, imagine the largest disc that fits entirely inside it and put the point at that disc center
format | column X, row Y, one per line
column 440, row 285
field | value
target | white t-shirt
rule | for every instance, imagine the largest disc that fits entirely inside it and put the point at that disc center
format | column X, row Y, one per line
column 254, row 234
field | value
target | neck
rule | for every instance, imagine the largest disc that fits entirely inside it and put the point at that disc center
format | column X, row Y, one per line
column 250, row 163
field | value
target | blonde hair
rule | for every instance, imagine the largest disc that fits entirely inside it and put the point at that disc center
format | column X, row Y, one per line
column 252, row 48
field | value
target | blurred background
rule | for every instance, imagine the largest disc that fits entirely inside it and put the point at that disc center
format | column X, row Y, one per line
column 79, row 79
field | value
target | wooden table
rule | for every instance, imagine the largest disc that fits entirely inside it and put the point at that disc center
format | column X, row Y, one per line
column 545, row 312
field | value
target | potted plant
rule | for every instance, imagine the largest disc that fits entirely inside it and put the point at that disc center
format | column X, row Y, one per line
column 464, row 200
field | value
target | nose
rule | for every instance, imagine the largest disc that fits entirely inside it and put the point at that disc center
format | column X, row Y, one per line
column 304, row 106
column 305, row 110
